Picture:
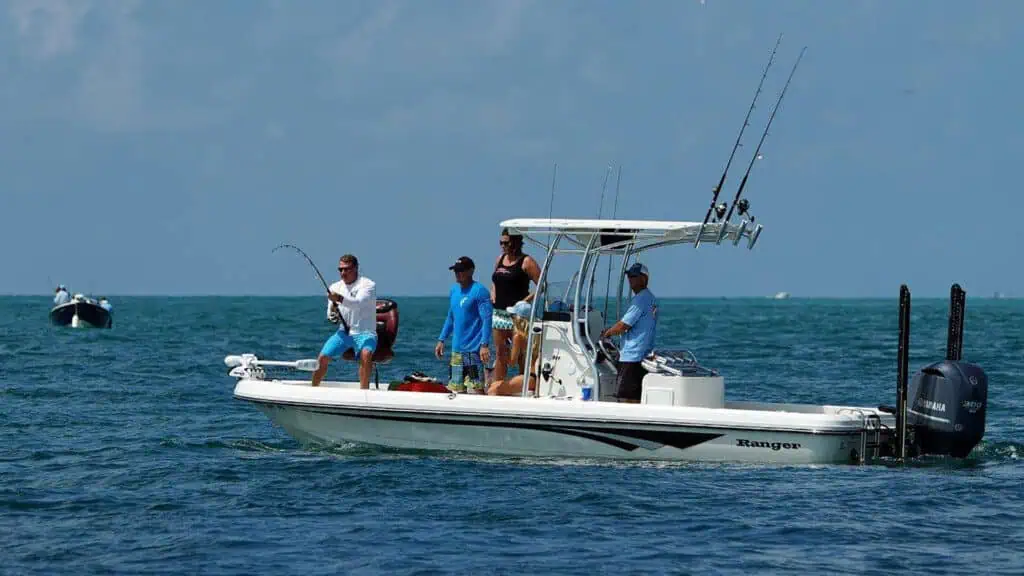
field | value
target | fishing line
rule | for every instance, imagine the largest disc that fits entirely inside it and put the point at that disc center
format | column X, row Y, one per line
column 318, row 275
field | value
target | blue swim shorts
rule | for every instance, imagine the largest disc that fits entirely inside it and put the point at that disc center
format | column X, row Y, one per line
column 338, row 343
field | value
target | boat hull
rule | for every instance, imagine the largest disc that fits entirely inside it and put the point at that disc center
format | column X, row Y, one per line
column 81, row 314
column 550, row 428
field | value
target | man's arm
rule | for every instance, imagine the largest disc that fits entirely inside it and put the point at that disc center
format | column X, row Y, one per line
column 446, row 330
column 332, row 310
column 629, row 319
column 449, row 322
column 369, row 293
column 619, row 327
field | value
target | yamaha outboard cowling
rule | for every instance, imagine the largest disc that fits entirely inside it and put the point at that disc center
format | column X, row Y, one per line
column 946, row 408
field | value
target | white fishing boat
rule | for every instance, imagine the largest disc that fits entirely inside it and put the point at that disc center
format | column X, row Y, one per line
column 573, row 412
column 683, row 413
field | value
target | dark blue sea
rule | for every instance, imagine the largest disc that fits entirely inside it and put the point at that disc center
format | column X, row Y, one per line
column 123, row 452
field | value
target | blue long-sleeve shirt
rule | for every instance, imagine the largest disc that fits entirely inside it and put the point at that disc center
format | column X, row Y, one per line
column 469, row 318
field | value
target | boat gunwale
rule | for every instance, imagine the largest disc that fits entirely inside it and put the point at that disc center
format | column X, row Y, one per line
column 812, row 423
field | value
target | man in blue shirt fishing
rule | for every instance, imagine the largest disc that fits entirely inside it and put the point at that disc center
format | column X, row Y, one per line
column 469, row 324
column 637, row 326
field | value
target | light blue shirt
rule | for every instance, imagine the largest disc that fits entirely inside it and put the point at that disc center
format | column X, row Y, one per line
column 642, row 317
column 62, row 297
column 106, row 305
column 469, row 318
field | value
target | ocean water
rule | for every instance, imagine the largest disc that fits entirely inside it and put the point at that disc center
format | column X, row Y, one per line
column 123, row 452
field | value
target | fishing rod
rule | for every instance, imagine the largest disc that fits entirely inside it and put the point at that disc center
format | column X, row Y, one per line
column 744, row 204
column 554, row 177
column 604, row 187
column 735, row 147
column 608, row 280
column 600, row 212
column 318, row 275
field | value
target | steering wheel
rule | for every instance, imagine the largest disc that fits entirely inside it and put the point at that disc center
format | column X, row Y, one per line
column 610, row 350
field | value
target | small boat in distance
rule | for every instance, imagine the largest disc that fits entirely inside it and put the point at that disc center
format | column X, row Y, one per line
column 82, row 311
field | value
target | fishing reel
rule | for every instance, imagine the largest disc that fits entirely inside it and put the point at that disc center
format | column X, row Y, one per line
column 720, row 211
column 743, row 208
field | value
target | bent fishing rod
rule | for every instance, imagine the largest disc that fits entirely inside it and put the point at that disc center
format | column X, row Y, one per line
column 735, row 147
column 757, row 152
column 318, row 275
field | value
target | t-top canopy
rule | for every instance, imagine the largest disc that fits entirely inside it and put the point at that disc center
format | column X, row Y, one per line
column 632, row 235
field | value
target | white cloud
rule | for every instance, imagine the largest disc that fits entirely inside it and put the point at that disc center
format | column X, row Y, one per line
column 501, row 24
column 104, row 79
column 432, row 72
column 357, row 47
column 397, row 68
column 110, row 94
column 48, row 28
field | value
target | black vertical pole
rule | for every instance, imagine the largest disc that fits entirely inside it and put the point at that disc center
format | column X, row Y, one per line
column 961, row 305
column 955, row 334
column 902, row 362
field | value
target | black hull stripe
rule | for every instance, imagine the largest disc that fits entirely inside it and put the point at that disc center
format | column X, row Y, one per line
column 469, row 420
column 677, row 439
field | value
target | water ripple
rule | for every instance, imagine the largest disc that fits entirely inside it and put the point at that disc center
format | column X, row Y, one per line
column 124, row 452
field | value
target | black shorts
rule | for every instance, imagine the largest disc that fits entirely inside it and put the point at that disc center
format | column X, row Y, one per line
column 631, row 376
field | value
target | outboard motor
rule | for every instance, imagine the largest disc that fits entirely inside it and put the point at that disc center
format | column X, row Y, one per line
column 946, row 408
column 942, row 411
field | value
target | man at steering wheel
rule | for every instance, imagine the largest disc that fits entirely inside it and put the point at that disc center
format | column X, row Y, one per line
column 637, row 326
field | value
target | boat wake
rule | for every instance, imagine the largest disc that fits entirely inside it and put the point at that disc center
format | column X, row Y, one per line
column 985, row 455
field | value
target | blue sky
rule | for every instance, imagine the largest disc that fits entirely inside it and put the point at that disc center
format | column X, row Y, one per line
column 167, row 147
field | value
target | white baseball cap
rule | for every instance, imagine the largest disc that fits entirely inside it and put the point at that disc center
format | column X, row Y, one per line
column 521, row 309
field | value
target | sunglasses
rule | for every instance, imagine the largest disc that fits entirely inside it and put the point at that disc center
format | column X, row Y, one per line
column 505, row 242
column 344, row 269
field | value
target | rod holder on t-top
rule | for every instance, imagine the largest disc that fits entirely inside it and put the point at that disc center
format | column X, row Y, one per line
column 720, row 209
column 955, row 336
column 723, row 212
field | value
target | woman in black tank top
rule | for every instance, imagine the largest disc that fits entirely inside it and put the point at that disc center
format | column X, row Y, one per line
column 510, row 283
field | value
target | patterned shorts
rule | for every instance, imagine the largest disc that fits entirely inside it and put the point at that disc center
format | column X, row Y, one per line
column 501, row 320
column 465, row 371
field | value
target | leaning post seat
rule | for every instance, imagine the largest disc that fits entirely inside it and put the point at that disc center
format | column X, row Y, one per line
column 387, row 332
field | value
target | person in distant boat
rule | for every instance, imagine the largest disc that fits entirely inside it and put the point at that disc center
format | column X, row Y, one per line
column 61, row 296
column 353, row 298
column 105, row 304
column 469, row 324
column 510, row 284
column 637, row 327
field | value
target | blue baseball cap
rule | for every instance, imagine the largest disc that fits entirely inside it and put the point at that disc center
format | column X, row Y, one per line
column 636, row 270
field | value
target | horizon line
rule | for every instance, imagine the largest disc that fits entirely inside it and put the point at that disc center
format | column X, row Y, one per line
column 443, row 296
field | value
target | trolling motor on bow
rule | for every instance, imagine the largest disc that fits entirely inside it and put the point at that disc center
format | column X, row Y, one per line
column 942, row 411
